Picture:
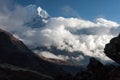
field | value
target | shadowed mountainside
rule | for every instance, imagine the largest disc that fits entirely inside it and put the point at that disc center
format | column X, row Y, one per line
column 10, row 72
column 14, row 52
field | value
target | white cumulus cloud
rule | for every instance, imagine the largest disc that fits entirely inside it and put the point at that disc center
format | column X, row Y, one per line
column 69, row 34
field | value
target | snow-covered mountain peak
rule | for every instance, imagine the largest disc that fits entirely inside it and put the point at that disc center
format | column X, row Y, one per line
column 42, row 13
column 33, row 10
column 38, row 16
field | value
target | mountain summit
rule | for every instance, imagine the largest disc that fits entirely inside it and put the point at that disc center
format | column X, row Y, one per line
column 39, row 17
column 42, row 13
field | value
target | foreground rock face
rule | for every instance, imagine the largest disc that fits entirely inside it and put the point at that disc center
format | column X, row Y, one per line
column 112, row 49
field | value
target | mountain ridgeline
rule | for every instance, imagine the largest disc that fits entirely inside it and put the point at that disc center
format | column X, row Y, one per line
column 18, row 61
column 14, row 52
column 39, row 18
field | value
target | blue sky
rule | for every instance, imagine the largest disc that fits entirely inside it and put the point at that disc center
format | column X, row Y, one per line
column 86, row 9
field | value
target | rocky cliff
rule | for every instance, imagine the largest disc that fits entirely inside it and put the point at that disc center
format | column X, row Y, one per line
column 112, row 49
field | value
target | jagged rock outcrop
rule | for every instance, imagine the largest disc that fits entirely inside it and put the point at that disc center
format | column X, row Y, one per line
column 97, row 71
column 94, row 65
column 14, row 52
column 112, row 49
column 94, row 71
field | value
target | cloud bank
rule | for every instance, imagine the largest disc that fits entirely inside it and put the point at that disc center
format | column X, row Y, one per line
column 85, row 37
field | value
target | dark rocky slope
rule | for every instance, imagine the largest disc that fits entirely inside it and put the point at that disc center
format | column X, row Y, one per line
column 97, row 71
column 10, row 72
column 67, row 66
column 14, row 52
